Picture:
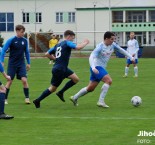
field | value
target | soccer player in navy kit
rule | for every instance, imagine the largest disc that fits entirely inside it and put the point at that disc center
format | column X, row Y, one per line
column 16, row 65
column 60, row 70
column 2, row 95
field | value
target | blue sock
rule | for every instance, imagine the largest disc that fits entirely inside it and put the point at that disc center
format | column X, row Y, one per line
column 68, row 85
column 26, row 92
column 2, row 102
column 44, row 95
column 7, row 92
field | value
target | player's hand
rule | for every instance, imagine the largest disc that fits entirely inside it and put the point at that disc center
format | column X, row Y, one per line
column 8, row 78
column 133, row 55
column 86, row 41
column 53, row 57
column 28, row 67
column 133, row 60
column 95, row 71
column 2, row 64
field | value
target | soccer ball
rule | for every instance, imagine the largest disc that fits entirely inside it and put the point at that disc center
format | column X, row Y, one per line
column 136, row 101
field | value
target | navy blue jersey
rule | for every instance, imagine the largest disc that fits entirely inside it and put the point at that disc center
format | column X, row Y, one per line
column 18, row 47
column 62, row 53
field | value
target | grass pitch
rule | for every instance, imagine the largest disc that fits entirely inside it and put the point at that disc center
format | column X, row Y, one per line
column 58, row 123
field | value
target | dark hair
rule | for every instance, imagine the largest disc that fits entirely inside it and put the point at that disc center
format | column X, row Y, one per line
column 69, row 32
column 20, row 27
column 108, row 35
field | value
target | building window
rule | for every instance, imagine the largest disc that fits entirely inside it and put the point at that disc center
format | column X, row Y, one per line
column 117, row 16
column 59, row 17
column 71, row 17
column 6, row 21
column 32, row 17
column 26, row 17
column 135, row 16
column 152, row 16
column 38, row 17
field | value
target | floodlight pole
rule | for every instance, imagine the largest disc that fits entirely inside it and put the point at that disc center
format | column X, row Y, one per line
column 109, row 15
column 35, row 27
column 94, row 3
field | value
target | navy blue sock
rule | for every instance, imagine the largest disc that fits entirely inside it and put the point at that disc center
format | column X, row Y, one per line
column 68, row 85
column 7, row 92
column 44, row 95
column 26, row 92
column 2, row 104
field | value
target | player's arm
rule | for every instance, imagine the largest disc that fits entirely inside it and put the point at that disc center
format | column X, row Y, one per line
column 121, row 50
column 3, row 72
column 94, row 56
column 82, row 45
column 136, row 48
column 50, row 53
column 127, row 47
column 27, row 55
column 4, row 50
column 77, row 46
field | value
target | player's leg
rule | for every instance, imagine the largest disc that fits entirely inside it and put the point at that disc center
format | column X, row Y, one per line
column 107, row 82
column 2, row 103
column 26, row 90
column 94, row 81
column 57, row 78
column 11, row 71
column 22, row 75
column 73, row 80
column 44, row 94
column 50, row 62
column 91, row 87
column 127, row 68
column 7, row 86
column 103, row 76
column 135, row 68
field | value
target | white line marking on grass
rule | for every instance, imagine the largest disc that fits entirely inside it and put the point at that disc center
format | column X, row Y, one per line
column 102, row 118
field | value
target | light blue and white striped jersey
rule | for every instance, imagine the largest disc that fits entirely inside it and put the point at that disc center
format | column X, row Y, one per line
column 102, row 53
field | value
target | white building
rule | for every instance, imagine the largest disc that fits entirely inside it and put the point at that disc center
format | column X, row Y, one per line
column 83, row 17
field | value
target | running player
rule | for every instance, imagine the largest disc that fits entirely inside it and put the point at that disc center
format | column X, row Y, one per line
column 60, row 70
column 98, row 61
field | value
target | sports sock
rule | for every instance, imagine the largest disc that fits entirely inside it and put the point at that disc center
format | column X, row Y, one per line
column 2, row 104
column 136, row 70
column 104, row 91
column 44, row 95
column 7, row 92
column 68, row 85
column 82, row 92
column 26, row 92
column 126, row 70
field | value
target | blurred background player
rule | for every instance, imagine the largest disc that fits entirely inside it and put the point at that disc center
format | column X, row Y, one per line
column 61, row 53
column 2, row 96
column 98, row 61
column 132, row 48
column 16, row 64
column 52, row 43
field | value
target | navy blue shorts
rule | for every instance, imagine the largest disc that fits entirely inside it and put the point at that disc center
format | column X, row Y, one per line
column 98, row 77
column 128, row 61
column 19, row 71
column 58, row 75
